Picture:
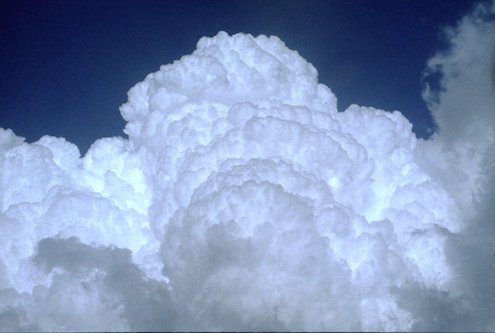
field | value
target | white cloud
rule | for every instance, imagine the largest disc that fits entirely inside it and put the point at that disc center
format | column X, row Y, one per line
column 464, row 106
column 461, row 156
column 244, row 200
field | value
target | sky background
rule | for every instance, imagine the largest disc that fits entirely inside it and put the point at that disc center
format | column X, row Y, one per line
column 66, row 66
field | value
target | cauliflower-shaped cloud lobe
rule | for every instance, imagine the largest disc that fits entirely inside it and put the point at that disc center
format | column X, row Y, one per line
column 242, row 200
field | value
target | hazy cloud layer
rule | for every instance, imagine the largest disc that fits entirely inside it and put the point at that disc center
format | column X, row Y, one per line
column 243, row 200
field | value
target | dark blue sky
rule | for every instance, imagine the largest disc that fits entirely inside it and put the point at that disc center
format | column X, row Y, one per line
column 66, row 66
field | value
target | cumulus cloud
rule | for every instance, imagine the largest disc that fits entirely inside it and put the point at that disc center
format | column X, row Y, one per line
column 243, row 200
column 464, row 108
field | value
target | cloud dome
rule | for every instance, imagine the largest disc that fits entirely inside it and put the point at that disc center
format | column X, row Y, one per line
column 241, row 200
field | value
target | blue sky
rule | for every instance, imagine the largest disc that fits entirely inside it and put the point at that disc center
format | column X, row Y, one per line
column 66, row 66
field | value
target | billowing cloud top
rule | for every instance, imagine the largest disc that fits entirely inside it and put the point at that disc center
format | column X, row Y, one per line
column 244, row 200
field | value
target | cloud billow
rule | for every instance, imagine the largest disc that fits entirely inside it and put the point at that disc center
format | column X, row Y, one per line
column 243, row 200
